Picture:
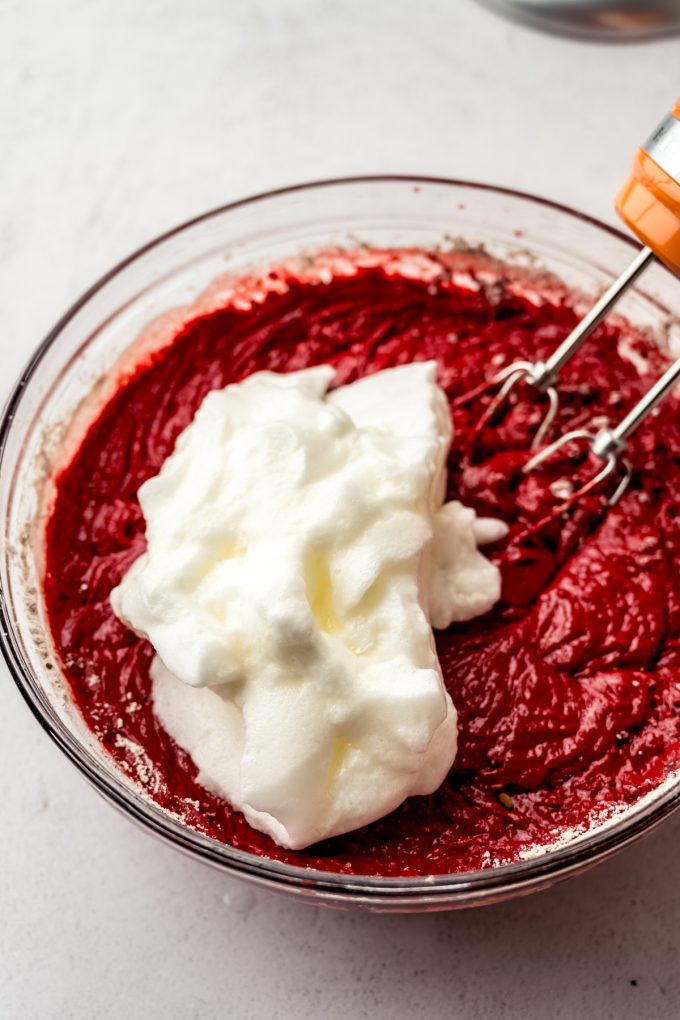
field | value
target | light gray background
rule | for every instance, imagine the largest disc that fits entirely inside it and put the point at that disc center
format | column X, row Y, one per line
column 119, row 118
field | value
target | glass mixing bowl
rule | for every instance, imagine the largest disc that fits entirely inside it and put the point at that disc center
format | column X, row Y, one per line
column 79, row 352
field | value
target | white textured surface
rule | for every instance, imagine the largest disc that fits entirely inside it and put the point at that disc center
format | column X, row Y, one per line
column 119, row 118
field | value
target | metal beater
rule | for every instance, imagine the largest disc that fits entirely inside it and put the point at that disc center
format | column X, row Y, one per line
column 649, row 203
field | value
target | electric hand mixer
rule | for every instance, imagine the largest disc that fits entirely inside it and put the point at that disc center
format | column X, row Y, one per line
column 649, row 203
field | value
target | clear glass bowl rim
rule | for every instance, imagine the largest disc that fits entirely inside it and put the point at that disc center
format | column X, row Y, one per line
column 421, row 892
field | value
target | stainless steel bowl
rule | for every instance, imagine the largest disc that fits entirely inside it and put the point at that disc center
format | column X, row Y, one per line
column 616, row 20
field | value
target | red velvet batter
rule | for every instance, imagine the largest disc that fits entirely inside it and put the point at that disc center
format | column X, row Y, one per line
column 568, row 692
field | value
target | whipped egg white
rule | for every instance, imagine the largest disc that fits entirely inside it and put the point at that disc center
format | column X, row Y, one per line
column 298, row 554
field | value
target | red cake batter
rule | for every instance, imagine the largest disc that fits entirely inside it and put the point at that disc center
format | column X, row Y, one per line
column 568, row 692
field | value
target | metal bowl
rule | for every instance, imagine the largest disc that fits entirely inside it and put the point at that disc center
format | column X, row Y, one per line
column 614, row 20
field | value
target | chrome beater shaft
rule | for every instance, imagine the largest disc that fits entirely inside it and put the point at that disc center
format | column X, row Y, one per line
column 649, row 204
column 609, row 444
column 543, row 375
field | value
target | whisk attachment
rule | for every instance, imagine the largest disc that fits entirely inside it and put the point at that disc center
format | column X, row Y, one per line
column 610, row 444
column 649, row 203
column 604, row 444
column 543, row 376
column 507, row 379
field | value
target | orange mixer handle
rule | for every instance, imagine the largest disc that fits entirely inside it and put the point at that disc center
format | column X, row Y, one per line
column 649, row 201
